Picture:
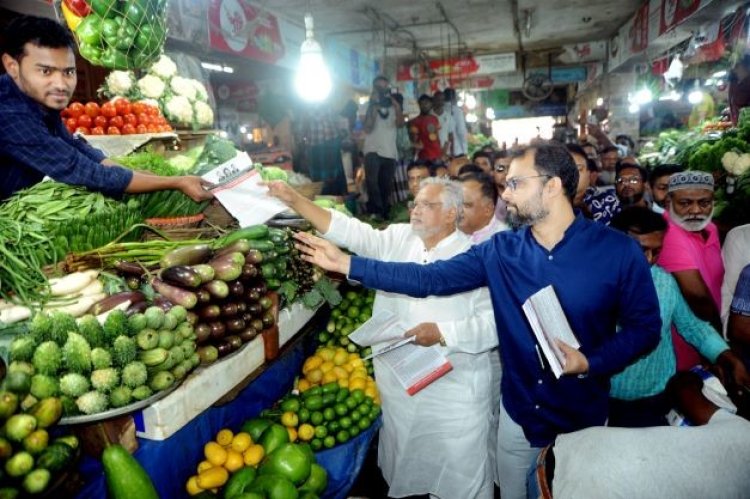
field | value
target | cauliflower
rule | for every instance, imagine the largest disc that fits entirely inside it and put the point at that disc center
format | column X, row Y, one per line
column 151, row 86
column 151, row 102
column 119, row 83
column 736, row 164
column 201, row 93
column 164, row 68
column 179, row 109
column 182, row 86
column 204, row 115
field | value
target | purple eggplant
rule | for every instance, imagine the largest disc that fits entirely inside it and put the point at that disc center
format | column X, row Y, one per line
column 163, row 303
column 209, row 312
column 254, row 309
column 116, row 299
column 268, row 320
column 249, row 271
column 234, row 326
column 208, row 354
column 248, row 334
column 252, row 295
column 202, row 333
column 239, row 246
column 192, row 318
column 229, row 309
column 203, row 296
column 205, row 271
column 235, row 341
column 176, row 295
column 182, row 276
column 129, row 268
column 217, row 288
column 186, row 255
column 136, row 308
column 218, row 330
column 253, row 257
column 224, row 348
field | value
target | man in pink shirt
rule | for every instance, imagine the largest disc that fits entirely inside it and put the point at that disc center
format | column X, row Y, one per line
column 692, row 252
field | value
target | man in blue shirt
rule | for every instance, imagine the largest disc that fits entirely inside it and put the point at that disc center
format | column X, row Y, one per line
column 39, row 61
column 600, row 277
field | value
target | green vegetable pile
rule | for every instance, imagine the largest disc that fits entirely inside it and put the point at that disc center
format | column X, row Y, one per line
column 93, row 365
column 353, row 311
column 215, row 152
column 29, row 455
column 123, row 34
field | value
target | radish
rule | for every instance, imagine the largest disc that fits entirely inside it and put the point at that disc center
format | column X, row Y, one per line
column 71, row 283
column 14, row 314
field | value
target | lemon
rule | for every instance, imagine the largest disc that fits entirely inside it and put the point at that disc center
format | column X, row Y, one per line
column 215, row 453
column 357, row 383
column 303, row 385
column 241, row 442
column 344, row 383
column 289, row 419
column 253, row 455
column 329, row 377
column 340, row 357
column 224, row 437
column 192, row 486
column 203, row 466
column 315, row 376
column 327, row 366
column 325, row 354
column 234, row 461
column 340, row 372
column 306, row 432
column 311, row 363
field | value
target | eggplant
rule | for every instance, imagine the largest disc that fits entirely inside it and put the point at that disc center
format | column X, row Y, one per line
column 254, row 309
column 241, row 307
column 176, row 295
column 252, row 295
column 162, row 303
column 253, row 257
column 224, row 348
column 218, row 330
column 182, row 276
column 268, row 320
column 191, row 318
column 235, row 258
column 236, row 288
column 136, row 308
column 226, row 269
column 248, row 334
column 217, row 288
column 203, row 296
column 262, row 288
column 257, row 324
column 186, row 255
column 235, row 341
column 208, row 354
column 249, row 271
column 202, row 332
column 209, row 312
column 130, row 268
column 205, row 271
column 239, row 246
column 266, row 302
column 247, row 317
column 234, row 325
column 116, row 299
column 133, row 283
column 229, row 309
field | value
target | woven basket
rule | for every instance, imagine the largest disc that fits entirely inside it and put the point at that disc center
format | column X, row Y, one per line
column 217, row 215
column 310, row 190
column 177, row 228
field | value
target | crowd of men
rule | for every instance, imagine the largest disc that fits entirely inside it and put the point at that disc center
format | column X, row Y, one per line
column 656, row 303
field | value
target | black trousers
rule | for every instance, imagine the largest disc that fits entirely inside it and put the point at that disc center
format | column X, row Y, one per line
column 379, row 173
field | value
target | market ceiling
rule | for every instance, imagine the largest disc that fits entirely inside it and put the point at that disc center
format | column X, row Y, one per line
column 441, row 28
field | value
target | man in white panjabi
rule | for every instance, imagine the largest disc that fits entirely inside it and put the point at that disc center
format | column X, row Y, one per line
column 436, row 441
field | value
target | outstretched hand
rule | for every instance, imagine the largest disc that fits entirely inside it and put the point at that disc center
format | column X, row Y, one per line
column 196, row 188
column 281, row 191
column 322, row 253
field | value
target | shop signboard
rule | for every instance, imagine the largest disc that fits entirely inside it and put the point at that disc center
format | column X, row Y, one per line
column 495, row 64
column 238, row 27
column 450, row 67
column 673, row 12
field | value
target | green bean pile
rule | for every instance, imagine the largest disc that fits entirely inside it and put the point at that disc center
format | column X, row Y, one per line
column 21, row 246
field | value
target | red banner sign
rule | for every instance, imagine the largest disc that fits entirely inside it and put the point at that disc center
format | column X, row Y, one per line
column 454, row 67
column 237, row 27
column 673, row 12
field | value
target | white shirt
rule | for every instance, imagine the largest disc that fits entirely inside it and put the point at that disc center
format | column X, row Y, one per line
column 446, row 125
column 382, row 139
column 488, row 230
column 436, row 441
column 460, row 139
column 686, row 462
column 736, row 255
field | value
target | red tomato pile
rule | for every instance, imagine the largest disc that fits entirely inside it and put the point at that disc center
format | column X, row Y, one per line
column 120, row 117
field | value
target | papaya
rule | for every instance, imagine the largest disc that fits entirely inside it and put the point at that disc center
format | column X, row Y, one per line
column 126, row 478
column 239, row 482
column 317, row 482
column 255, row 427
column 274, row 487
column 289, row 461
column 273, row 437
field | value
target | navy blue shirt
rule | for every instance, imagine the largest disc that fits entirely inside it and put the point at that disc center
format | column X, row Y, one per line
column 601, row 278
column 35, row 143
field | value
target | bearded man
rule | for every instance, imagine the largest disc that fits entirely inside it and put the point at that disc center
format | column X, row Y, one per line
column 691, row 251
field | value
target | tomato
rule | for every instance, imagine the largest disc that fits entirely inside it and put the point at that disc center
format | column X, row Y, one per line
column 83, row 130
column 92, row 109
column 108, row 109
column 64, row 114
column 85, row 120
column 141, row 129
column 71, row 123
column 160, row 120
column 100, row 121
column 165, row 128
column 71, row 129
column 152, row 110
column 128, row 129
column 144, row 119
column 152, row 129
column 138, row 108
column 131, row 119
column 117, row 121
column 113, row 130
column 76, row 109
column 122, row 106
column 97, row 130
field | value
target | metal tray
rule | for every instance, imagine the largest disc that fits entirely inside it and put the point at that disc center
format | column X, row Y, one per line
column 120, row 411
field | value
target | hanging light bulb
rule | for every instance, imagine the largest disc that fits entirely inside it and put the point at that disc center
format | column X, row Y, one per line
column 634, row 108
column 471, row 118
column 696, row 96
column 471, row 102
column 643, row 96
column 312, row 82
column 599, row 102
column 490, row 113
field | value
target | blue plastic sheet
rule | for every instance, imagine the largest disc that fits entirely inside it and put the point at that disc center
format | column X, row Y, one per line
column 170, row 462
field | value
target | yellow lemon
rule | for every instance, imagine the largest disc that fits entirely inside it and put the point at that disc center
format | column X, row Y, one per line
column 215, row 453
column 371, row 392
column 306, row 432
column 241, row 442
column 357, row 383
column 315, row 376
column 327, row 366
column 311, row 363
column 344, row 383
column 353, row 356
column 234, row 461
column 329, row 377
column 213, row 477
column 292, row 434
column 325, row 354
column 192, row 486
column 340, row 357
column 340, row 372
column 253, row 455
column 203, row 466
column 303, row 385
column 224, row 437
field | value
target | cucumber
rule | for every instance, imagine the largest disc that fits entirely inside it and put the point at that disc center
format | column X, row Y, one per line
column 268, row 270
column 273, row 283
column 259, row 231
column 261, row 244
column 126, row 478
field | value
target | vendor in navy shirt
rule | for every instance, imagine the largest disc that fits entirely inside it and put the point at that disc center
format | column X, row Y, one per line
column 39, row 61
column 601, row 278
